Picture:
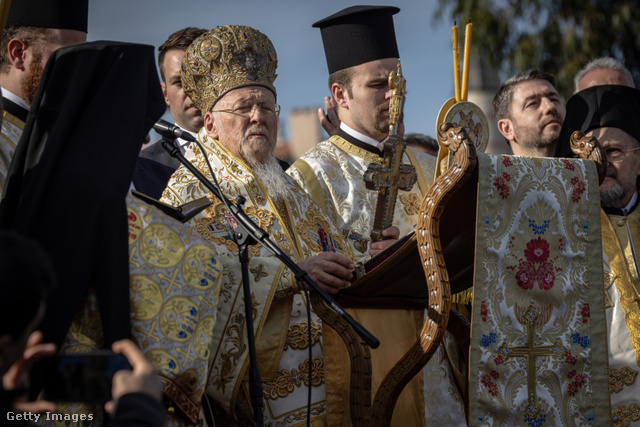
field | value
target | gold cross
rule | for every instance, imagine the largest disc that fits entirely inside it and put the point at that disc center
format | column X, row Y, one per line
column 398, row 84
column 187, row 354
column 172, row 281
column 203, row 299
column 148, row 334
column 258, row 272
column 531, row 351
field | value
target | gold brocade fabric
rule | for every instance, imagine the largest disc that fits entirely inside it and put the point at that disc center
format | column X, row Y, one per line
column 332, row 173
column 620, row 237
column 11, row 132
column 538, row 323
column 300, row 229
column 174, row 287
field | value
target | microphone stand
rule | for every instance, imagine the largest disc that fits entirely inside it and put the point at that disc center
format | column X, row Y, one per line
column 249, row 233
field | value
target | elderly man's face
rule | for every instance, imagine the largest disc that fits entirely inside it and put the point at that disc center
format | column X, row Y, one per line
column 244, row 122
column 620, row 184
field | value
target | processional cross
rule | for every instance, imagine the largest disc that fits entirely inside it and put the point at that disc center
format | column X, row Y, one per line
column 531, row 351
column 391, row 174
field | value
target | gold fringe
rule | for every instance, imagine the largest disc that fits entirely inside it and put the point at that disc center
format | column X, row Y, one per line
column 465, row 297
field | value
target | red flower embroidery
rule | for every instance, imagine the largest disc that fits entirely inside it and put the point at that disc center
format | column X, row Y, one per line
column 571, row 360
column 489, row 384
column 483, row 311
column 536, row 268
column 586, row 313
column 501, row 184
column 577, row 192
column 572, row 389
column 568, row 165
column 526, row 275
column 577, row 383
column 545, row 275
column 506, row 161
column 498, row 360
column 537, row 250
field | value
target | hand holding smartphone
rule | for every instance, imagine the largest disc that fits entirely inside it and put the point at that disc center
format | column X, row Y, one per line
column 82, row 377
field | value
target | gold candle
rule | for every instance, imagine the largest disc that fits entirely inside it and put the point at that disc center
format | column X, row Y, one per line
column 465, row 64
column 456, row 61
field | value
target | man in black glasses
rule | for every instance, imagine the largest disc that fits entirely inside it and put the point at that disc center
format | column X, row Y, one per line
column 610, row 113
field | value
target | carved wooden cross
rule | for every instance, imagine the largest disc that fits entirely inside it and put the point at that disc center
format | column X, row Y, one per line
column 531, row 351
column 392, row 175
column 389, row 177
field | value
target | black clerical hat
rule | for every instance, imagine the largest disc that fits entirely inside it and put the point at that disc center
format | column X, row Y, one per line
column 601, row 106
column 64, row 14
column 358, row 34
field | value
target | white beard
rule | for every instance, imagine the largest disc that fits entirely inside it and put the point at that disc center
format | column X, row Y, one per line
column 272, row 178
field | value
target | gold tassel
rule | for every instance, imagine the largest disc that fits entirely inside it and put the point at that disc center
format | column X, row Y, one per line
column 465, row 297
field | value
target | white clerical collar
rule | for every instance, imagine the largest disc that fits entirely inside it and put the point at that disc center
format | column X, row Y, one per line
column 14, row 98
column 183, row 143
column 627, row 209
column 361, row 137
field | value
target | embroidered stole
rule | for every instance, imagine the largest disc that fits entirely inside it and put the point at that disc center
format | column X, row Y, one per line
column 538, row 321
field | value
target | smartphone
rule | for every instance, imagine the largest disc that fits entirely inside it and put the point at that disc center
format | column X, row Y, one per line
column 82, row 377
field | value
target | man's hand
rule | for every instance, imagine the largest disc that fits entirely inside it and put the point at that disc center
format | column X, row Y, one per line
column 393, row 234
column 329, row 120
column 18, row 374
column 142, row 379
column 329, row 270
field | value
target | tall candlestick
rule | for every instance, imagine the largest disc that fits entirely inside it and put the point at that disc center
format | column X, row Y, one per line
column 456, row 62
column 465, row 64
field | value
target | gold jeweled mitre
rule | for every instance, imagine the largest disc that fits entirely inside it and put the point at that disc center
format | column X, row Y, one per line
column 227, row 58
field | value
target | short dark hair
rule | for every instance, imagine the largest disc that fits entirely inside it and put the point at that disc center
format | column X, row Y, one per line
column 343, row 77
column 180, row 40
column 502, row 99
column 35, row 37
column 26, row 277
column 421, row 140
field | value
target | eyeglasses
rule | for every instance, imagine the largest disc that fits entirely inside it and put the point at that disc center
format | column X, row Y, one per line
column 248, row 110
column 615, row 155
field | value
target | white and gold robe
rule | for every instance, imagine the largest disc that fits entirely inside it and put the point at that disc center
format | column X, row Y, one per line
column 300, row 229
column 332, row 172
column 174, row 286
column 621, row 241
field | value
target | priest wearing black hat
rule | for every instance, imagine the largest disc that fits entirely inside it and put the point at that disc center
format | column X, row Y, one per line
column 361, row 51
column 34, row 30
column 611, row 113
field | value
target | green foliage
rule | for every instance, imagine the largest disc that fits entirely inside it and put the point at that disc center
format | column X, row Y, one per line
column 559, row 37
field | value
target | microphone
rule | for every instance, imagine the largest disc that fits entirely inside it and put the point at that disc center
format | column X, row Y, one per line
column 165, row 128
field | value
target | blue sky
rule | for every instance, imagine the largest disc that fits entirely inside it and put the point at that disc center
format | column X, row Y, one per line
column 425, row 45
